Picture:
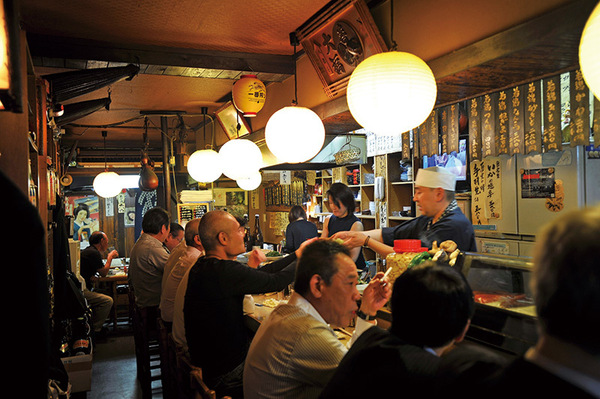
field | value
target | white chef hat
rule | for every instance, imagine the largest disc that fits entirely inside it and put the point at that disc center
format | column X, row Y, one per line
column 435, row 177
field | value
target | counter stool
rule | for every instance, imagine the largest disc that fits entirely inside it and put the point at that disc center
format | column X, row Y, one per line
column 145, row 336
column 201, row 391
column 166, row 373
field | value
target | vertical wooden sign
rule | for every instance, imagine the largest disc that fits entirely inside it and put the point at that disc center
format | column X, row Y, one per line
column 453, row 129
column 502, row 122
column 488, row 131
column 423, row 139
column 552, row 131
column 596, row 125
column 406, row 146
column 475, row 128
column 515, row 121
column 478, row 192
column 533, row 118
column 580, row 111
column 444, row 129
column 433, row 133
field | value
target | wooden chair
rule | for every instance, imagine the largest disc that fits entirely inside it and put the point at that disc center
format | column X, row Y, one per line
column 166, row 373
column 201, row 391
column 184, row 372
column 145, row 335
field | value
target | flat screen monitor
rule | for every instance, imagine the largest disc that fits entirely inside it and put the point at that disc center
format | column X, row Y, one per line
column 455, row 163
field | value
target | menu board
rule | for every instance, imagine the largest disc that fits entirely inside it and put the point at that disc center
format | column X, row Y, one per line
column 475, row 128
column 406, row 146
column 187, row 212
column 453, row 128
column 580, row 112
column 488, row 127
column 533, row 117
column 515, row 121
column 432, row 126
column 477, row 193
column 552, row 131
column 444, row 129
column 502, row 123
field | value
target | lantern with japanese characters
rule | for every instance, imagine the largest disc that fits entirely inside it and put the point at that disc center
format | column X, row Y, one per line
column 249, row 95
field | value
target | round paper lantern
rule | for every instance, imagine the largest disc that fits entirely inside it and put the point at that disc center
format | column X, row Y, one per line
column 391, row 93
column 107, row 184
column 249, row 95
column 240, row 158
column 294, row 134
column 205, row 166
column 250, row 183
column 589, row 52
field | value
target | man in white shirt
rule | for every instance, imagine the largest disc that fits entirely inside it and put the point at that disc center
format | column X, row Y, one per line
column 180, row 261
column 295, row 351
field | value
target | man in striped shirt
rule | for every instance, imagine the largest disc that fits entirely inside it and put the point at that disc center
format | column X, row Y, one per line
column 296, row 351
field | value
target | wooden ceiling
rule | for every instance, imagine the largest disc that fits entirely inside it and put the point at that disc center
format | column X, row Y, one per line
column 191, row 51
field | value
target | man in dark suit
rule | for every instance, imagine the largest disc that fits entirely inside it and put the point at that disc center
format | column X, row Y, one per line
column 566, row 286
column 431, row 310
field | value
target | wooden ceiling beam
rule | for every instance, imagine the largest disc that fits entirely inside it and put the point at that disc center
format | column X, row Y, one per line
column 81, row 49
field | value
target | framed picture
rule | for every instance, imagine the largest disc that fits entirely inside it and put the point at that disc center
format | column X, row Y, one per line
column 337, row 39
column 229, row 118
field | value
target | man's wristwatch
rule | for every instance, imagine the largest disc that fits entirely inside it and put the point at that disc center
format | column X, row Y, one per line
column 365, row 316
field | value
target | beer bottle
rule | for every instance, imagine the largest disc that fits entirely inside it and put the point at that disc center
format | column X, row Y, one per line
column 81, row 337
column 257, row 236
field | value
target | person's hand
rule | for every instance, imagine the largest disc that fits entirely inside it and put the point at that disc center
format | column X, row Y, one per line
column 114, row 253
column 256, row 257
column 303, row 245
column 352, row 239
column 375, row 295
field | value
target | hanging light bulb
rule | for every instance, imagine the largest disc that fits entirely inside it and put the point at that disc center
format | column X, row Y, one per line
column 205, row 166
column 240, row 158
column 294, row 134
column 250, row 183
column 107, row 184
column 391, row 93
column 589, row 54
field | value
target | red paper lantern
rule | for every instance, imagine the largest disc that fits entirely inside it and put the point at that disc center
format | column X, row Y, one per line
column 249, row 95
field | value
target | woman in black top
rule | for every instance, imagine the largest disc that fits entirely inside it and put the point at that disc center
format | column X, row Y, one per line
column 341, row 204
column 299, row 229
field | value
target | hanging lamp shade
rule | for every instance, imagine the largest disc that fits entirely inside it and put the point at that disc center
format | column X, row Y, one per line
column 249, row 95
column 391, row 93
column 250, row 183
column 240, row 158
column 589, row 52
column 107, row 184
column 294, row 134
column 205, row 166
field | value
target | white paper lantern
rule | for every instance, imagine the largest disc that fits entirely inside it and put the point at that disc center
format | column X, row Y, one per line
column 391, row 93
column 107, row 184
column 240, row 158
column 294, row 134
column 589, row 52
column 205, row 166
column 250, row 183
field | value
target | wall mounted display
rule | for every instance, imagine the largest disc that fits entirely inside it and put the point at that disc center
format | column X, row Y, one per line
column 337, row 39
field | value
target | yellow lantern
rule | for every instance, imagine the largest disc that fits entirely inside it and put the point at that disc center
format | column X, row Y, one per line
column 249, row 95
column 589, row 52
column 391, row 93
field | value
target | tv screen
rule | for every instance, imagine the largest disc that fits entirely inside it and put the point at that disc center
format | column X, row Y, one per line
column 454, row 162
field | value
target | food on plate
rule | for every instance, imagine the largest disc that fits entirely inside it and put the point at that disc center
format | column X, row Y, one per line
column 503, row 300
column 271, row 254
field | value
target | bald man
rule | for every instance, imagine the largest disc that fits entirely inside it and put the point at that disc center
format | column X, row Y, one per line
column 217, row 337
column 182, row 258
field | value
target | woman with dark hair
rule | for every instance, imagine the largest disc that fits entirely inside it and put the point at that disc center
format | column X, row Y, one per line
column 340, row 201
column 299, row 229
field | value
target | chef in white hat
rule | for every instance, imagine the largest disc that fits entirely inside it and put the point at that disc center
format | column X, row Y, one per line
column 441, row 219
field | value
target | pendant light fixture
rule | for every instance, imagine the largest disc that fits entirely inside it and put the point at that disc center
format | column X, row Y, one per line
column 148, row 179
column 205, row 166
column 391, row 93
column 589, row 54
column 250, row 183
column 294, row 134
column 107, row 184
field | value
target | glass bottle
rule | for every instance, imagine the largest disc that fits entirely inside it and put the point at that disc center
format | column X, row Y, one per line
column 257, row 236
